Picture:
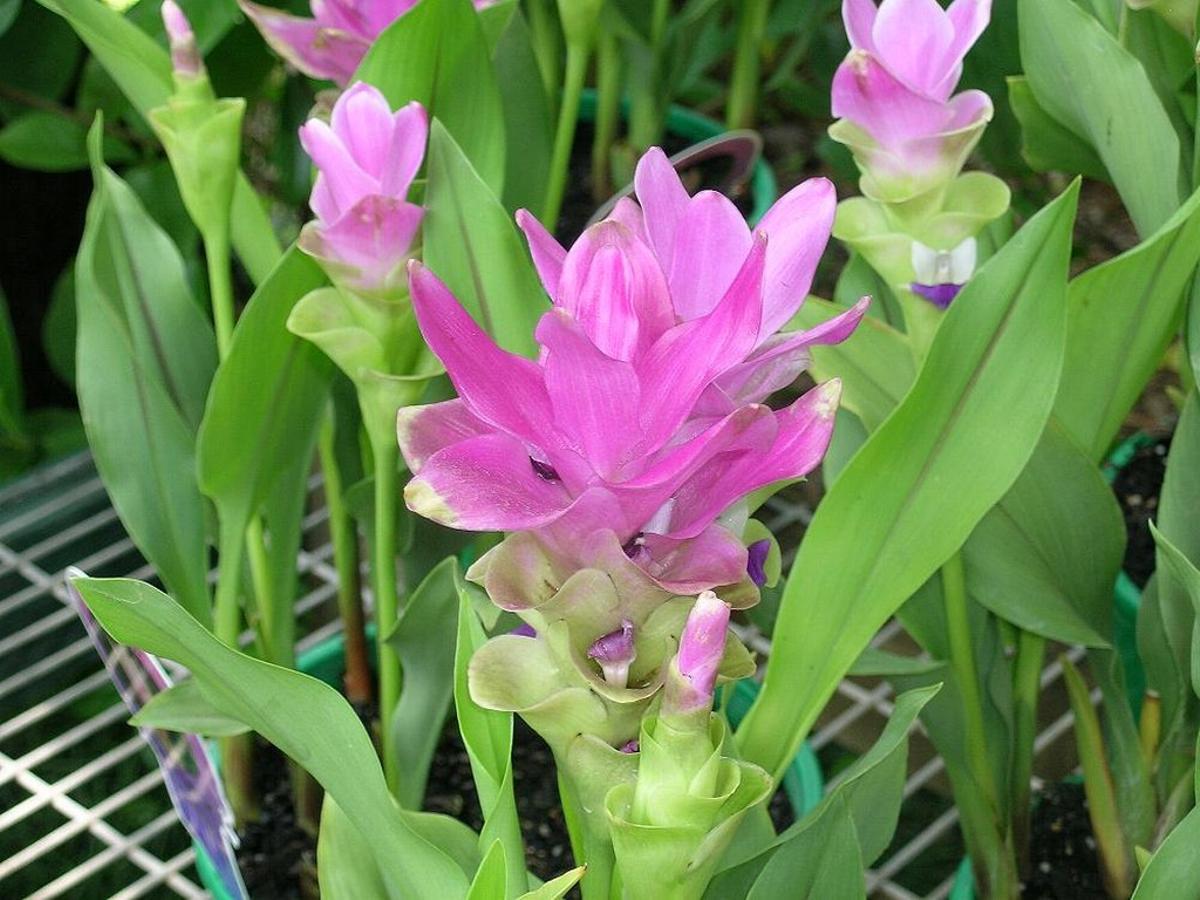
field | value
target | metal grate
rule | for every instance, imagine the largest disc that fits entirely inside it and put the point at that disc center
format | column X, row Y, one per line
column 84, row 813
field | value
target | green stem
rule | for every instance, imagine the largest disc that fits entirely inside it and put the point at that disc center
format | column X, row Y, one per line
column 743, row 86
column 237, row 753
column 608, row 112
column 220, row 289
column 1027, row 683
column 564, row 138
column 383, row 571
column 962, row 664
column 646, row 100
column 345, row 559
column 546, row 44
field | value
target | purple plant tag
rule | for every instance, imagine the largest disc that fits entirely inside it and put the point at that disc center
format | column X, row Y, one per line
column 188, row 770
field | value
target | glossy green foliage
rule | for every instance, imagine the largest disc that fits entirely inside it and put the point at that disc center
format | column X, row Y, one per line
column 915, row 491
column 488, row 737
column 306, row 719
column 472, row 244
column 52, row 143
column 142, row 69
column 1047, row 556
column 1066, row 52
column 146, row 355
column 424, row 639
column 1174, row 869
column 1121, row 317
column 1046, row 144
column 437, row 54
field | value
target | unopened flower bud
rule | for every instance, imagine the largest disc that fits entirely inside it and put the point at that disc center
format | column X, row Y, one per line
column 185, row 55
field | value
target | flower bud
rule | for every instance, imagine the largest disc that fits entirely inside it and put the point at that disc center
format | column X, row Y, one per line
column 615, row 652
column 185, row 56
column 693, row 674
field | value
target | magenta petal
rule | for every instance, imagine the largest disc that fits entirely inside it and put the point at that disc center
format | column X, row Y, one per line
column 682, row 363
column 701, row 647
column 342, row 182
column 804, row 431
column 315, row 50
column 410, row 133
column 663, row 199
column 368, row 243
column 628, row 213
column 913, row 39
column 485, row 483
column 713, row 558
column 798, row 226
column 424, row 430
column 548, row 254
column 868, row 95
column 970, row 19
column 613, row 287
column 859, row 18
column 711, row 242
column 595, row 398
column 362, row 121
column 500, row 387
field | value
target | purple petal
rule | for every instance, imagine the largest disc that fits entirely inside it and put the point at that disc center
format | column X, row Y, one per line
column 613, row 287
column 315, row 50
column 342, row 182
column 595, row 398
column 424, row 430
column 630, row 746
column 756, row 561
column 940, row 295
column 615, row 652
column 548, row 254
column 501, row 388
column 485, row 483
column 711, row 242
column 713, row 558
column 859, row 18
column 867, row 94
column 663, row 199
column 365, row 248
column 913, row 39
column 798, row 226
column 524, row 630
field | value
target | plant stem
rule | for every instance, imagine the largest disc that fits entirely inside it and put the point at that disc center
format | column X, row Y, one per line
column 962, row 664
column 564, row 138
column 546, row 45
column 743, row 86
column 646, row 98
column 220, row 289
column 236, row 752
column 383, row 571
column 608, row 112
column 1027, row 683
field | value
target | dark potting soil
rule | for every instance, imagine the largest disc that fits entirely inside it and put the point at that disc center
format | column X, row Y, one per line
column 1137, row 487
column 277, row 857
column 1064, row 862
column 451, row 790
column 579, row 203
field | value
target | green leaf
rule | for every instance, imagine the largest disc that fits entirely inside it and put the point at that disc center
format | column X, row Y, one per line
column 345, row 868
column 1174, row 869
column 489, row 880
column 1047, row 556
column 911, row 496
column 1067, row 54
column 1046, row 144
column 424, row 640
column 472, row 244
column 184, row 708
column 142, row 69
column 266, row 399
column 875, row 363
column 488, row 737
column 305, row 718
column 146, row 355
column 59, row 328
column 436, row 54
column 528, row 123
column 8, row 13
column 821, row 861
column 12, row 392
column 39, row 54
column 556, row 888
column 1184, row 573
column 876, row 663
column 1122, row 315
column 53, row 143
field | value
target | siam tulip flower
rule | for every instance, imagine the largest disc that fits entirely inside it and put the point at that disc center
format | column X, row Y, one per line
column 185, row 56
column 333, row 42
column 941, row 274
column 893, row 93
column 701, row 648
column 367, row 157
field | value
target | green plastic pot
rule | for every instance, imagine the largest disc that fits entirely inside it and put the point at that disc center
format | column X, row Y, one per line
column 802, row 782
column 694, row 127
column 1127, row 600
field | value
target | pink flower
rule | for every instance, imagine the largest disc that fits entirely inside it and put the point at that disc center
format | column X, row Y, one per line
column 894, row 92
column 701, row 648
column 642, row 416
column 185, row 57
column 367, row 158
column 334, row 41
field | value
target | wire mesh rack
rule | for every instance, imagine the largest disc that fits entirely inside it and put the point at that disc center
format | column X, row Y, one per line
column 83, row 809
